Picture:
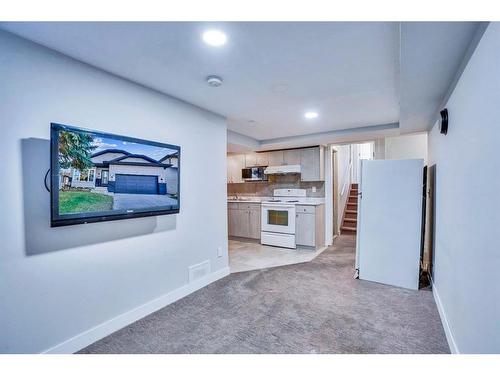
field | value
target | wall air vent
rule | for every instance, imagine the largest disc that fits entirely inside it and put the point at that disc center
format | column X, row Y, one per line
column 199, row 270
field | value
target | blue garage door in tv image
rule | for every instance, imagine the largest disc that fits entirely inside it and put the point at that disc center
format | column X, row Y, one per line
column 99, row 176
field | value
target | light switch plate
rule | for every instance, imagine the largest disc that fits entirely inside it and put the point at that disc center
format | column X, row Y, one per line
column 219, row 251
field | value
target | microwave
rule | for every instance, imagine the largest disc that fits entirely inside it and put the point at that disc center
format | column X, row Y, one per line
column 254, row 174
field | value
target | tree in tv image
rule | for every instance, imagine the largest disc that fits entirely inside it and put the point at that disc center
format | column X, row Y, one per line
column 98, row 174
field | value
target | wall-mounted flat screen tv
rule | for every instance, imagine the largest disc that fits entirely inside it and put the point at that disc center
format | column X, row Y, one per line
column 98, row 177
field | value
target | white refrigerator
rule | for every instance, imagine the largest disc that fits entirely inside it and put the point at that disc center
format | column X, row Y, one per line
column 389, row 222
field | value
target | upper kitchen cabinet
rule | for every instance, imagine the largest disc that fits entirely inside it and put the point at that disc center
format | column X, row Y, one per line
column 312, row 164
column 262, row 159
column 235, row 163
column 259, row 159
column 310, row 159
column 291, row 157
column 275, row 158
column 250, row 160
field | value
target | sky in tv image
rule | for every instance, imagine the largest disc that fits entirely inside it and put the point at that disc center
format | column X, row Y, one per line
column 153, row 152
column 98, row 174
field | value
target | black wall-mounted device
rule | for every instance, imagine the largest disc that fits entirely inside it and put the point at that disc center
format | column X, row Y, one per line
column 444, row 121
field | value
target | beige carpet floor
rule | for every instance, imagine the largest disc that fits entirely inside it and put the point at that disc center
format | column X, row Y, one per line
column 313, row 307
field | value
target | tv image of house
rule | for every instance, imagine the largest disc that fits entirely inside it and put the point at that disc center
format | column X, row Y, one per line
column 122, row 172
column 120, row 180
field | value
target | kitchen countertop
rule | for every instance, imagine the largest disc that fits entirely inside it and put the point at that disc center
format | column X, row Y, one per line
column 307, row 201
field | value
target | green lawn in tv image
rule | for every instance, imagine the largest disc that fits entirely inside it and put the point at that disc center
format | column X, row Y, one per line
column 99, row 174
column 83, row 201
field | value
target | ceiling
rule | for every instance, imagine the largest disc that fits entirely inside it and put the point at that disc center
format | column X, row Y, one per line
column 354, row 74
column 433, row 55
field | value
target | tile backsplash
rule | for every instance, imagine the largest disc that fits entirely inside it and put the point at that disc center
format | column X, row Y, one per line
column 266, row 188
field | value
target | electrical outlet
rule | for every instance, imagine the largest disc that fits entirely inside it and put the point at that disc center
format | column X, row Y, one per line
column 219, row 252
column 314, row 189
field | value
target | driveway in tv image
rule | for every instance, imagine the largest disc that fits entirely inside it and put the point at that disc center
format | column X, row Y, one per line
column 135, row 201
column 119, row 176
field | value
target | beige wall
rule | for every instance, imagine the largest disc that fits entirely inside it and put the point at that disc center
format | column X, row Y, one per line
column 412, row 146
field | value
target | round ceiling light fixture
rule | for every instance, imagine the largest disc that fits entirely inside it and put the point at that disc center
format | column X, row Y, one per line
column 214, row 81
column 214, row 38
column 311, row 115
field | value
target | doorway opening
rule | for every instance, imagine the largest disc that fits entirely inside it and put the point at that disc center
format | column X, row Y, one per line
column 346, row 169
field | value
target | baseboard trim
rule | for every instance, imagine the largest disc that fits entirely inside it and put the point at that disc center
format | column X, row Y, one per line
column 446, row 325
column 100, row 331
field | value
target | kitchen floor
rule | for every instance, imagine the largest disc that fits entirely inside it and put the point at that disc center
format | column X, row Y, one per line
column 248, row 256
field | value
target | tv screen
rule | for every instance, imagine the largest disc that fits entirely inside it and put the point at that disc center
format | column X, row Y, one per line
column 98, row 177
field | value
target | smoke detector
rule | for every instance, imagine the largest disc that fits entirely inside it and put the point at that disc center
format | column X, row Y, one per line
column 214, row 81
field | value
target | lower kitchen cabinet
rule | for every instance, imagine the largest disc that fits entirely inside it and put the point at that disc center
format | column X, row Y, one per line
column 244, row 220
column 254, row 225
column 310, row 226
column 238, row 220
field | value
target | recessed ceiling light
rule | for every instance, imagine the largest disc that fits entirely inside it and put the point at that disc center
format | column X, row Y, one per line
column 311, row 115
column 214, row 38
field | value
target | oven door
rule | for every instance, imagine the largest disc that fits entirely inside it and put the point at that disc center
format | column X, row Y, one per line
column 278, row 218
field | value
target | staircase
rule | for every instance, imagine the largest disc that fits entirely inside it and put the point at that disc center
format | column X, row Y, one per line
column 350, row 220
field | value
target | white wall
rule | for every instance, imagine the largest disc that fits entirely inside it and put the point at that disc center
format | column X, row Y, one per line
column 56, row 283
column 412, row 146
column 379, row 149
column 467, row 202
column 343, row 160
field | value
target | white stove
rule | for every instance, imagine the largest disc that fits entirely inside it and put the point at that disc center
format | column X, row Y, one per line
column 278, row 218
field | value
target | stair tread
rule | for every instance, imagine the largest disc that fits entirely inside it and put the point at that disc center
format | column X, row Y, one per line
column 350, row 219
column 351, row 211
column 350, row 229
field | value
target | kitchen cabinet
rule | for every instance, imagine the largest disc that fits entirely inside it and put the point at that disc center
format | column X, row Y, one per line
column 312, row 166
column 258, row 159
column 310, row 226
column 275, row 158
column 244, row 220
column 233, row 219
column 310, row 159
column 235, row 163
column 254, row 223
column 250, row 160
column 262, row 159
column 241, row 223
column 291, row 157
